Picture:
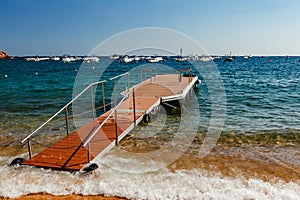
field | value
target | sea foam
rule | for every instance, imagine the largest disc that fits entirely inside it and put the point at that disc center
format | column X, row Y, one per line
column 162, row 184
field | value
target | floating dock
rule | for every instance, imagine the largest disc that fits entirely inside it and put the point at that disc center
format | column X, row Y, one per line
column 79, row 148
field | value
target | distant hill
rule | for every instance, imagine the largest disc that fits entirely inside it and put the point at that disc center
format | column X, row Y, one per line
column 3, row 55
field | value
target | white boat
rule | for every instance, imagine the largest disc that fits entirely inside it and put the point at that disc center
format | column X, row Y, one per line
column 55, row 58
column 127, row 59
column 155, row 59
column 247, row 56
column 37, row 59
column 114, row 57
column 217, row 57
column 181, row 59
column 193, row 57
column 43, row 59
column 30, row 59
column 68, row 59
column 137, row 58
column 206, row 59
column 91, row 59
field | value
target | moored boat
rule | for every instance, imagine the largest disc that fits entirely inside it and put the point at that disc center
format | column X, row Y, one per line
column 126, row 59
column 37, row 59
column 68, row 59
column 91, row 59
column 154, row 59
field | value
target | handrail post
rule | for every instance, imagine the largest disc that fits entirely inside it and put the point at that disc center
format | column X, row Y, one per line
column 115, row 92
column 29, row 148
column 103, row 98
column 128, row 81
column 89, row 154
column 190, row 75
column 92, row 102
column 116, row 122
column 141, row 75
column 134, row 114
column 180, row 74
column 151, row 74
column 90, row 136
column 67, row 120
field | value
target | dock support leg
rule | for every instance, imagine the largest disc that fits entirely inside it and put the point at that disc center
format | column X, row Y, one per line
column 116, row 122
column 180, row 75
column 134, row 113
column 29, row 148
column 128, row 81
column 92, row 102
column 103, row 98
column 115, row 92
column 67, row 120
column 89, row 154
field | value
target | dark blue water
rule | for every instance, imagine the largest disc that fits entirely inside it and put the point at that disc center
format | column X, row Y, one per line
column 260, row 95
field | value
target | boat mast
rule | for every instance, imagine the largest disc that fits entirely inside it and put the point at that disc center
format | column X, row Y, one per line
column 180, row 72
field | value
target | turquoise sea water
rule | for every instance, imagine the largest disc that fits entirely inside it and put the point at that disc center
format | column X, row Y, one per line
column 262, row 108
column 260, row 95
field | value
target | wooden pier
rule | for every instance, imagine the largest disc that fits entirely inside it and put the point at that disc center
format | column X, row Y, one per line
column 80, row 147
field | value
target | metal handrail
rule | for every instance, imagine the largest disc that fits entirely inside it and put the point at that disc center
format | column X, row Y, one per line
column 185, row 70
column 98, row 108
column 127, row 73
column 115, row 84
column 62, row 109
column 148, row 70
column 90, row 137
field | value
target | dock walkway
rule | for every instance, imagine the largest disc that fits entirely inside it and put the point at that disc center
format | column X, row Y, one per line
column 80, row 147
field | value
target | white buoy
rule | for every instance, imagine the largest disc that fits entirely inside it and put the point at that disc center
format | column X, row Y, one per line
column 36, row 73
column 93, row 68
column 5, row 76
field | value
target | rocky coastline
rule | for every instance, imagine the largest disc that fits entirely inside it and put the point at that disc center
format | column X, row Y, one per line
column 3, row 55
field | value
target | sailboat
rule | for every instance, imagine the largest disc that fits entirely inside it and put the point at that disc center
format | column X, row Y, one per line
column 229, row 59
column 180, row 59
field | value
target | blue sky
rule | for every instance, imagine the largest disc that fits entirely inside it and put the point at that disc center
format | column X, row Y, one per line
column 257, row 27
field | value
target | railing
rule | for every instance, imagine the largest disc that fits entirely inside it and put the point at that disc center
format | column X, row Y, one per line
column 189, row 70
column 87, row 140
column 65, row 109
column 115, row 84
column 149, row 70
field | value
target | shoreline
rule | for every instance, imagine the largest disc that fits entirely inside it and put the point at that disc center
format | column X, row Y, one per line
column 243, row 162
column 273, row 161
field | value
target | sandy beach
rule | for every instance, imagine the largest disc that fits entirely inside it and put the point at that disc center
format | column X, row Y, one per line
column 247, row 161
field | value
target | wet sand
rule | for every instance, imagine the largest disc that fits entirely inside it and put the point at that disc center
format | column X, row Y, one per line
column 268, row 160
column 245, row 162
